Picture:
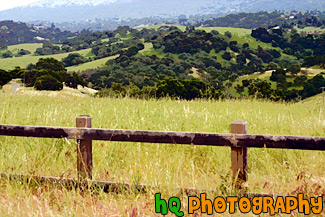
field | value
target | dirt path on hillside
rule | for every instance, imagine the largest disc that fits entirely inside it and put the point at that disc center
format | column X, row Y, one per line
column 313, row 72
column 15, row 87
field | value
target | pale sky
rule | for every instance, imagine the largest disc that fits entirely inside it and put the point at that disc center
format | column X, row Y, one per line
column 6, row 4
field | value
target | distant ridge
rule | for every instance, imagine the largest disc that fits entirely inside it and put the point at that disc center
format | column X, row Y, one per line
column 77, row 10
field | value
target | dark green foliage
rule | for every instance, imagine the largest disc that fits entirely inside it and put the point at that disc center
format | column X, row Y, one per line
column 7, row 54
column 186, row 89
column 299, row 80
column 170, row 87
column 239, row 88
column 74, row 80
column 131, row 51
column 294, row 69
column 260, row 89
column 246, row 20
column 5, row 77
column 139, row 70
column 48, row 82
column 246, row 82
column 233, row 46
column 86, row 39
column 101, row 50
column 314, row 60
column 74, row 59
column 313, row 86
column 48, row 49
column 265, row 56
column 23, row 52
column 267, row 19
column 60, row 76
column 228, row 34
column 17, row 72
column 29, row 77
column 190, row 42
column 245, row 45
column 272, row 66
column 49, row 69
column 262, row 34
column 279, row 75
column 50, row 63
column 274, row 53
column 299, row 45
column 241, row 59
column 18, row 32
column 226, row 55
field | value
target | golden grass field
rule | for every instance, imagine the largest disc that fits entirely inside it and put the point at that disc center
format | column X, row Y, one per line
column 166, row 166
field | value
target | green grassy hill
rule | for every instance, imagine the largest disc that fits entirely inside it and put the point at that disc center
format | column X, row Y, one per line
column 310, row 28
column 310, row 73
column 314, row 100
column 239, row 34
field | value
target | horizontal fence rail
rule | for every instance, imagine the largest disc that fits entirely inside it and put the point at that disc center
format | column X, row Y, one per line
column 238, row 140
column 187, row 138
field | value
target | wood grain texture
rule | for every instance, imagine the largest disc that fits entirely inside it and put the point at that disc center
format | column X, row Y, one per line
column 208, row 139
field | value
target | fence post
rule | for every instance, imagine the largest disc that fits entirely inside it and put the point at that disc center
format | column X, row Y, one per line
column 239, row 155
column 84, row 150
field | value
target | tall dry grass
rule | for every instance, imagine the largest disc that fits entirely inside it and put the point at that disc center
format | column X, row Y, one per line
column 165, row 166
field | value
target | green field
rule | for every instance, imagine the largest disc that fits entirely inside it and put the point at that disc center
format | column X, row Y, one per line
column 222, row 30
column 165, row 166
column 309, row 29
column 150, row 51
column 28, row 46
column 11, row 63
column 91, row 65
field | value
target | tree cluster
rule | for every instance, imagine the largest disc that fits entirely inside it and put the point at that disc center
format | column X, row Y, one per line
column 12, row 33
column 267, row 20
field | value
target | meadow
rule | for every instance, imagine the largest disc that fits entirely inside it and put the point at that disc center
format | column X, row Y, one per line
column 165, row 166
column 90, row 65
column 309, row 28
column 11, row 63
column 31, row 47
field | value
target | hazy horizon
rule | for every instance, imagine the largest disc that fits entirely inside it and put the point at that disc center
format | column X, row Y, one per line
column 17, row 3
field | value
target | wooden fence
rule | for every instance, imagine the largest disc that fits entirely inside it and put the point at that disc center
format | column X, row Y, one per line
column 238, row 140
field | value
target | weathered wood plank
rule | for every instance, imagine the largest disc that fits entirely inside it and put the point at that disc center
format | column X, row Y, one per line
column 84, row 150
column 208, row 139
column 239, row 162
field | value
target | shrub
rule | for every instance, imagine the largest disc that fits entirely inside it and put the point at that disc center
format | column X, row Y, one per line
column 5, row 77
column 7, row 54
column 74, row 59
column 48, row 82
column 23, row 52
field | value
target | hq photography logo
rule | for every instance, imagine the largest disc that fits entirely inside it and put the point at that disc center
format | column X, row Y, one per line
column 256, row 205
